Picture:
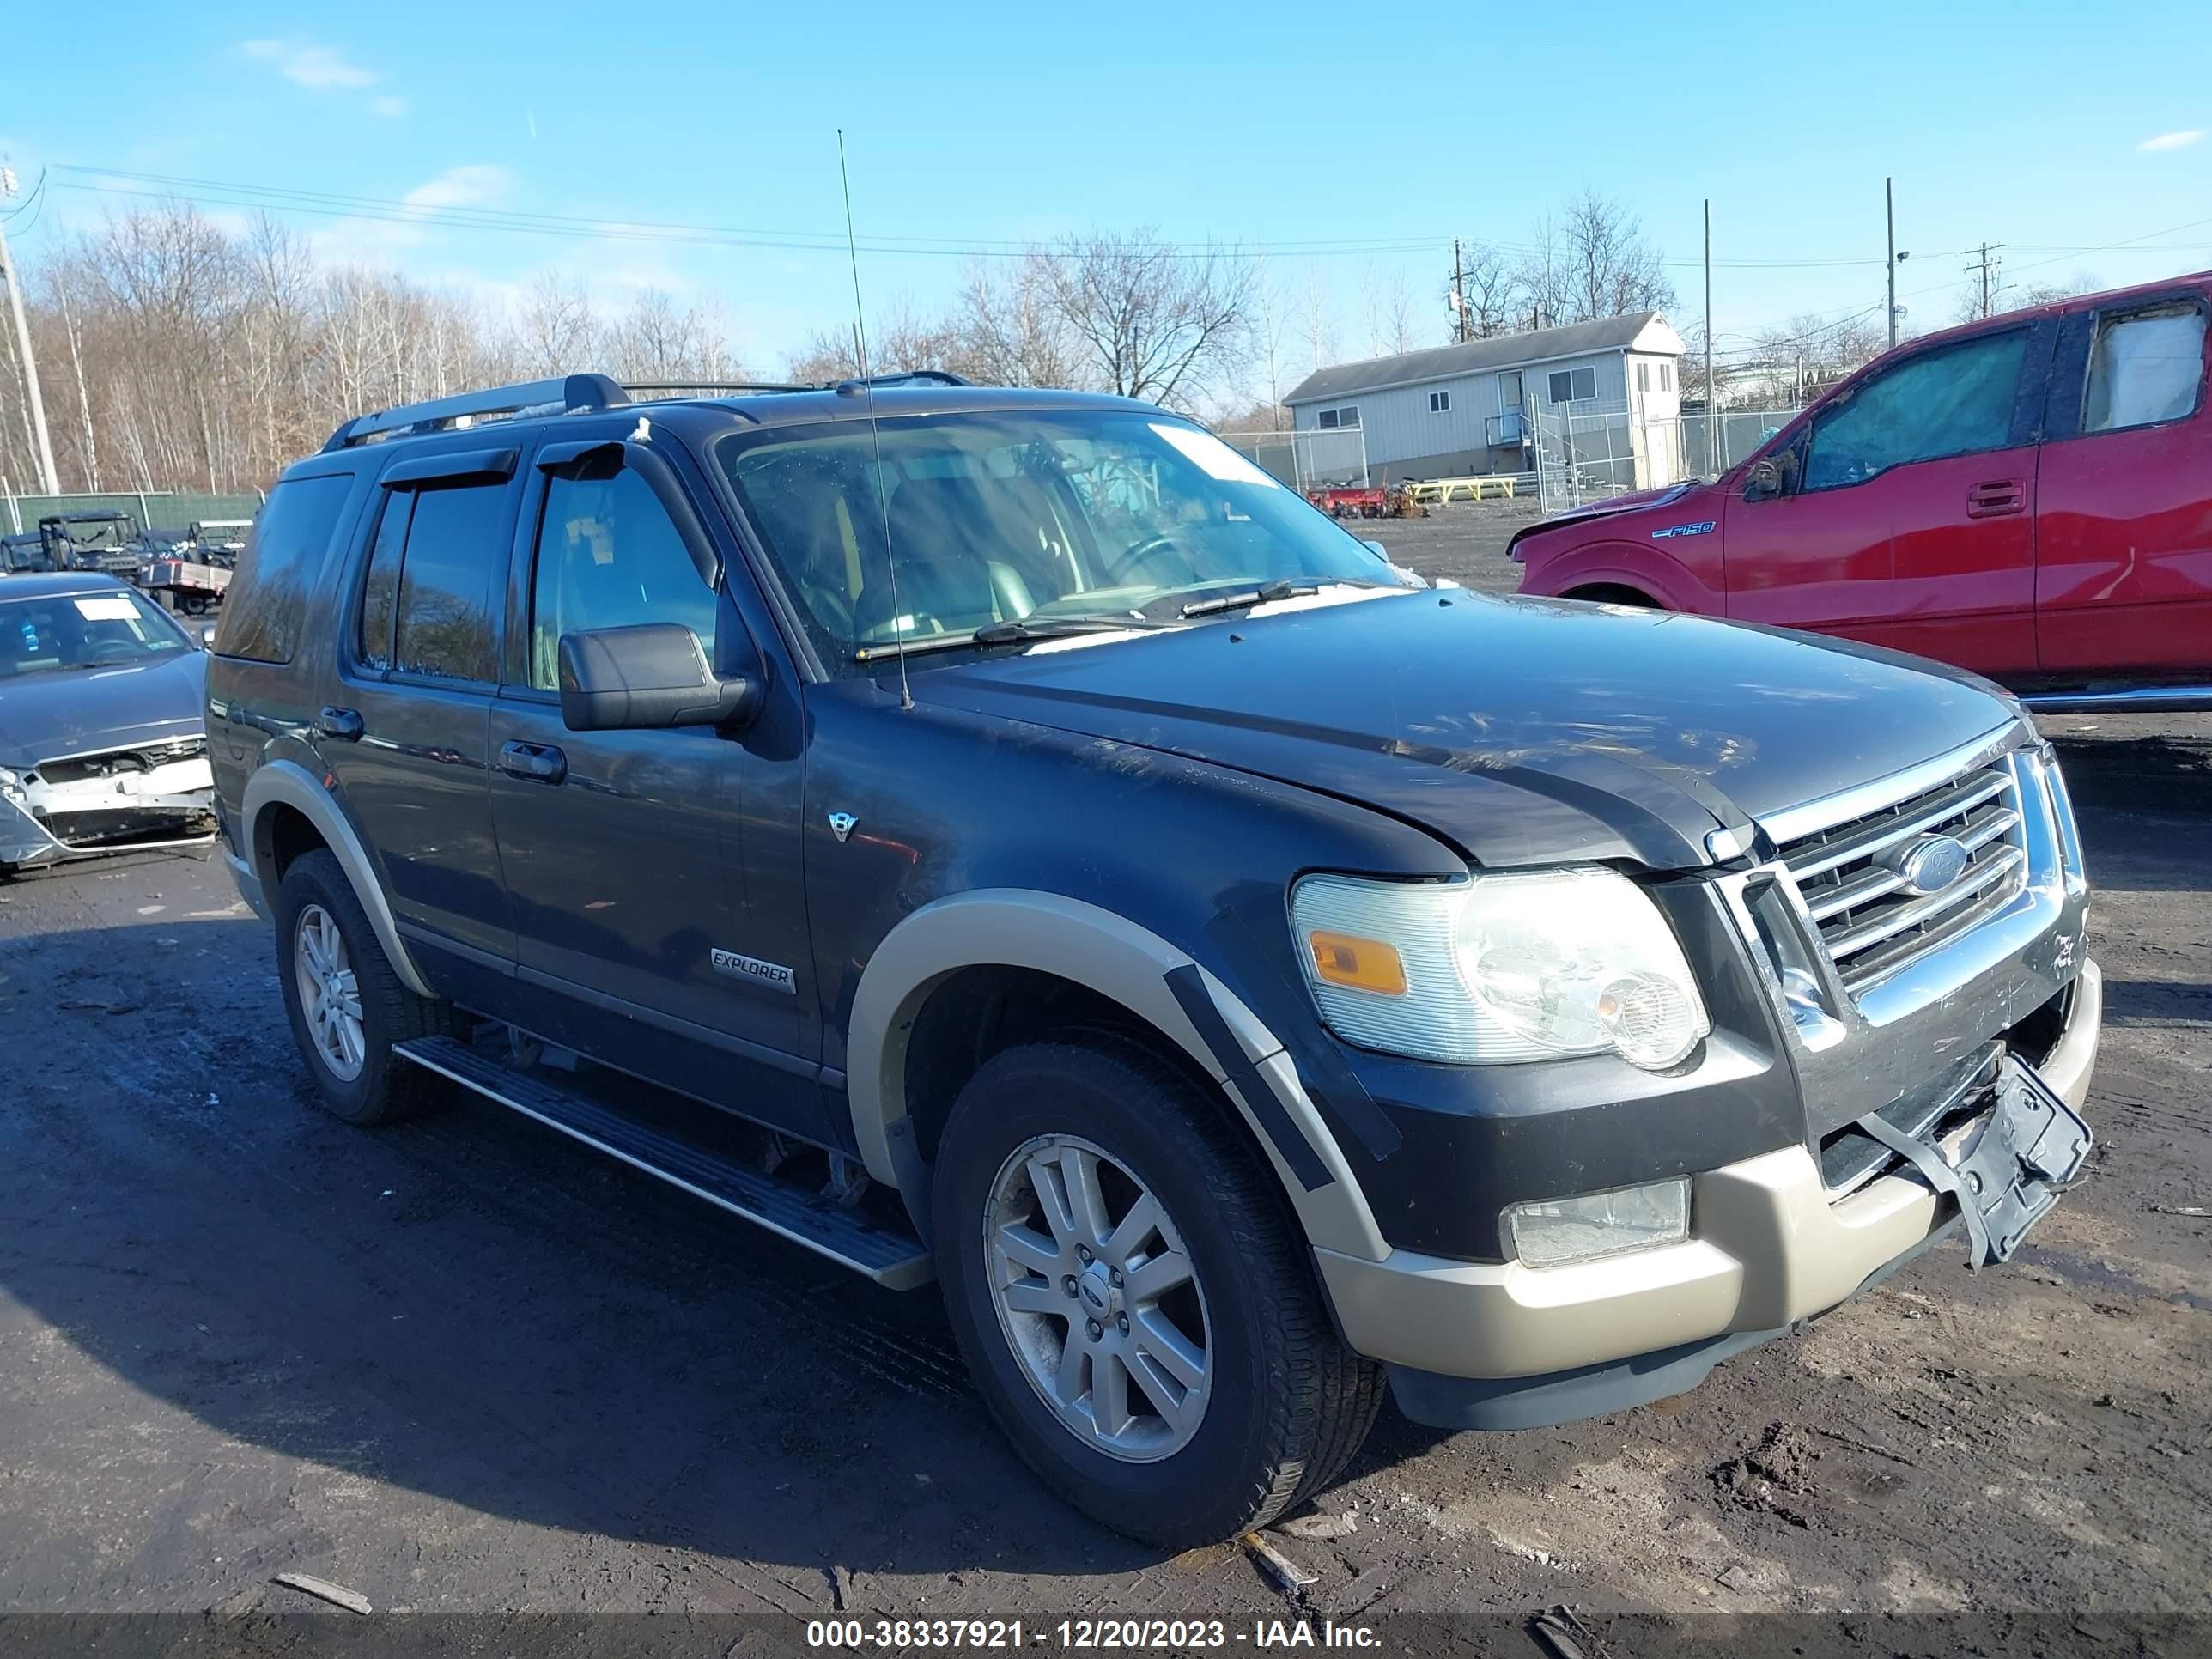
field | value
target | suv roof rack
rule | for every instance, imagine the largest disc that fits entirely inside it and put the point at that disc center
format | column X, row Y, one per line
column 934, row 376
column 573, row 394
column 568, row 394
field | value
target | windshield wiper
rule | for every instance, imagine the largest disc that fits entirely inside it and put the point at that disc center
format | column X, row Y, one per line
column 1004, row 633
column 1266, row 594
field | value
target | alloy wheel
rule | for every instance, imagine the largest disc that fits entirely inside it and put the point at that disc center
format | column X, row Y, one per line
column 330, row 996
column 1098, row 1299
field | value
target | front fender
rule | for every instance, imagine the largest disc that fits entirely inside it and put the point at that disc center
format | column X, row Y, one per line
column 1621, row 563
column 1051, row 934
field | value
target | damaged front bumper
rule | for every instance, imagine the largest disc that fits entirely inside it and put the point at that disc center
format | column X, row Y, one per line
column 167, row 802
column 1503, row 1345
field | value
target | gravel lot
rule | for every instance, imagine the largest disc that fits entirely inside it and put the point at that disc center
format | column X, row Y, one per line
column 464, row 1365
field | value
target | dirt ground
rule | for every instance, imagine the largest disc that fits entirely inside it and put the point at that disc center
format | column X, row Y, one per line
column 465, row 1365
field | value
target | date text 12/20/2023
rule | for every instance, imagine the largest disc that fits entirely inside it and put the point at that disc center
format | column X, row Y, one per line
column 1084, row 1635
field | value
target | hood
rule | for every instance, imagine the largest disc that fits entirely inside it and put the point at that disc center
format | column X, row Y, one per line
column 1611, row 506
column 45, row 715
column 1521, row 730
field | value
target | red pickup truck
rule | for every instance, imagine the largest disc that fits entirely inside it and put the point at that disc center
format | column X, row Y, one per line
column 2029, row 496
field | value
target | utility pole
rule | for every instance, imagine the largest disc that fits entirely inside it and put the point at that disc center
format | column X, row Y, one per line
column 1983, row 267
column 1459, row 295
column 1713, row 402
column 12, row 277
column 1889, row 203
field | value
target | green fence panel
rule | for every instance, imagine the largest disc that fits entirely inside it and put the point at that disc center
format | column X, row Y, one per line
column 154, row 509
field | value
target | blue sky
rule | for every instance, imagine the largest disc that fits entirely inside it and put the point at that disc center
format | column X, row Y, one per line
column 1289, row 127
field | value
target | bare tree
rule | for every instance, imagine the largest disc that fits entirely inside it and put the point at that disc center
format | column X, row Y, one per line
column 1792, row 361
column 1391, row 331
column 1271, row 339
column 1541, row 286
column 2020, row 296
column 1316, row 316
column 1611, row 270
column 657, row 341
column 1150, row 320
column 558, row 333
column 1490, row 286
column 1008, row 330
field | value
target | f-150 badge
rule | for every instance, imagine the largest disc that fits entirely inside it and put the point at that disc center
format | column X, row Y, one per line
column 1682, row 530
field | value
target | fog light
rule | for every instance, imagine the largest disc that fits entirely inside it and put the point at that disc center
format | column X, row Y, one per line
column 1558, row 1230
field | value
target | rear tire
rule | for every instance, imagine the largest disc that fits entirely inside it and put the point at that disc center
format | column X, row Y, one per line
column 1259, row 1404
column 326, row 950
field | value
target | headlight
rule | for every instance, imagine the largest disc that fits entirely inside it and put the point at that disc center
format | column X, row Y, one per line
column 1498, row 967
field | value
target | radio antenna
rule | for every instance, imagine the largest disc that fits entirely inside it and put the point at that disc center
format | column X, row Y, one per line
column 875, row 428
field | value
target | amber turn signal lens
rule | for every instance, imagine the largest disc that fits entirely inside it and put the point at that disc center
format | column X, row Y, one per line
column 1362, row 964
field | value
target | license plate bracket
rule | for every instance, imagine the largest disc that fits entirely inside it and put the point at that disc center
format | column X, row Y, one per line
column 2011, row 1168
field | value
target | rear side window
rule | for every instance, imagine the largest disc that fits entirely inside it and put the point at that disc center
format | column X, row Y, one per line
column 1954, row 401
column 2144, row 368
column 427, row 608
column 265, row 609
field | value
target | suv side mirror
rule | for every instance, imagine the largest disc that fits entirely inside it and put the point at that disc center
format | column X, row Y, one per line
column 647, row 676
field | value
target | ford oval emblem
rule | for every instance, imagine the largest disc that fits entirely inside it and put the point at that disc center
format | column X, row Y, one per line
column 1932, row 863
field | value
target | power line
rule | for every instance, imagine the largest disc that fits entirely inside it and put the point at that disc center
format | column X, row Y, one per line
column 463, row 216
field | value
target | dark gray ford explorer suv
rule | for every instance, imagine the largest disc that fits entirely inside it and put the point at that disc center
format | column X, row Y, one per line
column 1005, row 836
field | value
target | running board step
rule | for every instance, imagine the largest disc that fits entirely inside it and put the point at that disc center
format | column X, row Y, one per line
column 892, row 1259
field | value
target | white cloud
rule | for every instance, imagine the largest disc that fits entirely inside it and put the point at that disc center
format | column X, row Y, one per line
column 2173, row 140
column 389, row 241
column 387, row 106
column 461, row 186
column 317, row 68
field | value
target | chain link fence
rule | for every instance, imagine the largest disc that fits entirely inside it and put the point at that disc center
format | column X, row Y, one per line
column 1589, row 455
column 1336, row 460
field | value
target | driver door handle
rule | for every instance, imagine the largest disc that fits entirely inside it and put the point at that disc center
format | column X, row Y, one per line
column 1996, row 498
column 533, row 763
column 343, row 724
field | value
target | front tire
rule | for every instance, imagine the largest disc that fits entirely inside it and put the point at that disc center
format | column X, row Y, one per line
column 1138, row 1310
column 347, row 1005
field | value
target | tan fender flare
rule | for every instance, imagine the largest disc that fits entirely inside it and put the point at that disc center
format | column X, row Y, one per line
column 1049, row 933
column 291, row 784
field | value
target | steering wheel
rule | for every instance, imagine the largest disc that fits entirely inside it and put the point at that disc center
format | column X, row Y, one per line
column 1121, row 571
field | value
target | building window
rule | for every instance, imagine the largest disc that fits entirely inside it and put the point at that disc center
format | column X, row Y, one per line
column 1333, row 418
column 1666, row 377
column 1439, row 402
column 1573, row 385
column 1643, row 377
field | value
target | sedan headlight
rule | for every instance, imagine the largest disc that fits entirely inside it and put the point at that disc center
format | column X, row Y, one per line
column 1499, row 967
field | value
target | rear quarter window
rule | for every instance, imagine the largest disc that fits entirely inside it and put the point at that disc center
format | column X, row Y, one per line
column 265, row 609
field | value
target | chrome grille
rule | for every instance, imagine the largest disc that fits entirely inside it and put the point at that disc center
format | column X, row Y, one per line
column 1872, row 922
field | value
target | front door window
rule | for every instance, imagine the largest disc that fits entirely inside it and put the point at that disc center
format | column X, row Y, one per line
column 1956, row 400
column 609, row 556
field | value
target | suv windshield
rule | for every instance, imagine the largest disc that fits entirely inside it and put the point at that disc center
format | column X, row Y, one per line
column 106, row 627
column 1048, row 518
